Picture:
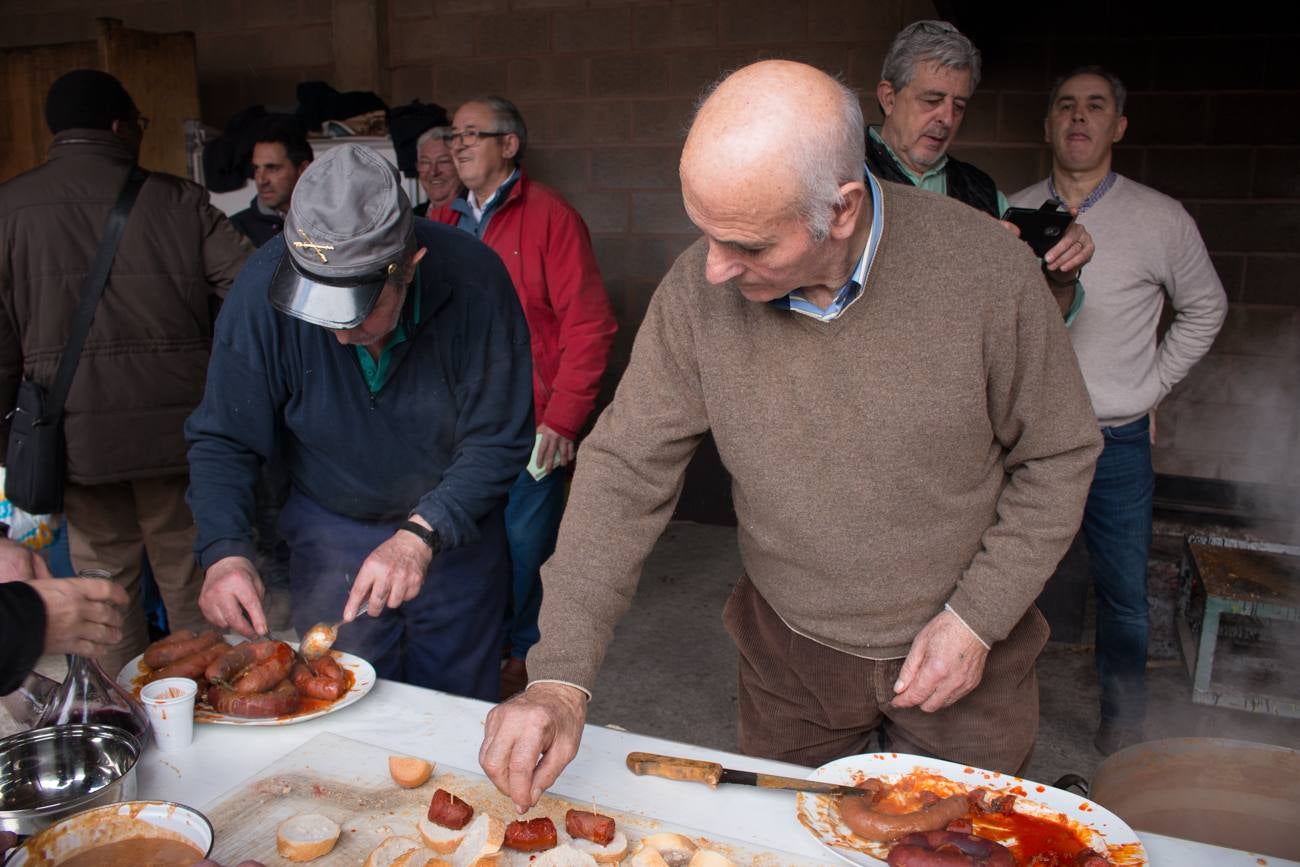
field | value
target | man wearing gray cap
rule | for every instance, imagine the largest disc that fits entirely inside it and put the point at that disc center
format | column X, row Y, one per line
column 389, row 358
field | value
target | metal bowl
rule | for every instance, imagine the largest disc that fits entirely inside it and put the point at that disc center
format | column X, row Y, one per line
column 113, row 823
column 49, row 773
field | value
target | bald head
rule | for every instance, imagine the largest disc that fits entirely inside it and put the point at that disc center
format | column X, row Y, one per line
column 777, row 131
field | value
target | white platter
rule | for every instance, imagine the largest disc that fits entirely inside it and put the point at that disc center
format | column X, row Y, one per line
column 819, row 814
column 363, row 680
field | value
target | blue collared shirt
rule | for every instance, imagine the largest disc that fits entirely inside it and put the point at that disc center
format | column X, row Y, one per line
column 852, row 290
column 475, row 220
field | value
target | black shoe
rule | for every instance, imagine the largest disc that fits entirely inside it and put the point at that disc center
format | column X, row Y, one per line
column 1113, row 736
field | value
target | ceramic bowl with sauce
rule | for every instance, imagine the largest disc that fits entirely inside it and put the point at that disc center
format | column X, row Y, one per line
column 128, row 834
column 53, row 772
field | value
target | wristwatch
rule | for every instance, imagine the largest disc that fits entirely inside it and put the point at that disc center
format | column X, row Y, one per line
column 428, row 537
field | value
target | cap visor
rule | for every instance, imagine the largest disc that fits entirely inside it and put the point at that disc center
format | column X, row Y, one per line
column 336, row 305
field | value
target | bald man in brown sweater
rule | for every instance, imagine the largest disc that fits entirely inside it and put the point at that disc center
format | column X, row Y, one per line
column 910, row 442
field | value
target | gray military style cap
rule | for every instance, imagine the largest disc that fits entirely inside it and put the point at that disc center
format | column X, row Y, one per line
column 348, row 227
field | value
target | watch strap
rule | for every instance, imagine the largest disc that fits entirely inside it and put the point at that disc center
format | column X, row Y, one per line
column 427, row 536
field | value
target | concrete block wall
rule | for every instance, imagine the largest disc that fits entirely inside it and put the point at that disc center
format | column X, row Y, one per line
column 607, row 88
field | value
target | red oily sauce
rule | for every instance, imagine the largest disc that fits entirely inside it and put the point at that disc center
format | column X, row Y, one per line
column 312, row 705
column 133, row 853
column 1029, row 837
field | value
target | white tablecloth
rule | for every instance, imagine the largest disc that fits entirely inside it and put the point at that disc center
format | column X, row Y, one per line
column 411, row 720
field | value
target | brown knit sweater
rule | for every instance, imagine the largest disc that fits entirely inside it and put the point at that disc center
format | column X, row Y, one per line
column 932, row 445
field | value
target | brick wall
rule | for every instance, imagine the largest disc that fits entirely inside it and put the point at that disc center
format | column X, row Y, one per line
column 607, row 85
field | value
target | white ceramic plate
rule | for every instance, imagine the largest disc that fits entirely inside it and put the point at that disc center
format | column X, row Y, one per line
column 363, row 680
column 819, row 814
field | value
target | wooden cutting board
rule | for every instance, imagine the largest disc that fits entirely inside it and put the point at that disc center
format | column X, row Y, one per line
column 348, row 781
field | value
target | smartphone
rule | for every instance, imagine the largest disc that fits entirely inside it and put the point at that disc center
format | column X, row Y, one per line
column 1041, row 228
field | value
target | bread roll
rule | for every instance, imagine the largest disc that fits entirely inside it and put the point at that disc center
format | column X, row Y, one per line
column 306, row 836
column 674, row 849
column 421, row 857
column 562, row 856
column 709, row 858
column 387, row 852
column 484, row 836
column 611, row 853
column 408, row 771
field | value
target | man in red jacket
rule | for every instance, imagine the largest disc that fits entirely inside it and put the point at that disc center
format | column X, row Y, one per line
column 547, row 250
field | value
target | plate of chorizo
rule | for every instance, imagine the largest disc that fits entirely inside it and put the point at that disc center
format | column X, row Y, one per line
column 252, row 683
column 920, row 811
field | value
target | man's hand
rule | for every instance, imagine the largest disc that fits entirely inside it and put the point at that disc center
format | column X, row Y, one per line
column 232, row 597
column 392, row 574
column 946, row 662
column 556, row 449
column 82, row 615
column 1066, row 259
column 20, row 563
column 544, row 720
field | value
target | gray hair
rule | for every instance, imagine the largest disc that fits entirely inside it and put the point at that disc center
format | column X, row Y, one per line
column 509, row 120
column 433, row 132
column 929, row 41
column 1117, row 88
column 824, row 159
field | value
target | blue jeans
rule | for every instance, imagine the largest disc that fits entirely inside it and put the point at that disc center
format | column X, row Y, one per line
column 447, row 638
column 533, row 514
column 1117, row 530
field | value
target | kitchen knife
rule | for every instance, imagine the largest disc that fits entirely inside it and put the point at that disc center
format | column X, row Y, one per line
column 696, row 771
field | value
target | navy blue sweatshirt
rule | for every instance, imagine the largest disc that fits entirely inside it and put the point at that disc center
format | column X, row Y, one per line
column 445, row 436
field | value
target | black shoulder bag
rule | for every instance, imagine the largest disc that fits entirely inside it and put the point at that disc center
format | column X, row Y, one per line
column 36, row 461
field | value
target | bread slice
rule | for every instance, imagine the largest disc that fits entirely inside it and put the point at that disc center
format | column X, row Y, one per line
column 611, row 853
column 408, row 771
column 442, row 840
column 387, row 852
column 675, row 849
column 306, row 836
column 647, row 856
column 563, row 856
column 421, row 857
column 482, row 843
column 709, row 858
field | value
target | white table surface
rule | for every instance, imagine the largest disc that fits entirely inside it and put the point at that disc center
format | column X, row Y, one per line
column 448, row 729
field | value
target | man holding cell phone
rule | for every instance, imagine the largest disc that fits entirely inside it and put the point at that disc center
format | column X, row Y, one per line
column 1149, row 248
column 927, row 79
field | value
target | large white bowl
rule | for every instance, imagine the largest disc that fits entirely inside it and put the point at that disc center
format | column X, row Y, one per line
column 129, row 820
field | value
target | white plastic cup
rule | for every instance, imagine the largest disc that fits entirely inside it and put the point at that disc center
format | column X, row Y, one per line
column 170, row 704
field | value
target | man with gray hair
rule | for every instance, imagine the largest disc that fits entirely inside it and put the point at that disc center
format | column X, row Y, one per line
column 436, row 170
column 929, row 74
column 387, row 359
column 1150, row 249
column 907, row 469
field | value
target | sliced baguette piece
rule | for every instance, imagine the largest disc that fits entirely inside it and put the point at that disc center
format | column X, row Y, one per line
column 387, row 852
column 709, row 858
column 564, row 855
column 675, row 849
column 647, row 856
column 421, row 857
column 482, row 844
column 409, row 772
column 442, row 840
column 306, row 836
column 611, row 853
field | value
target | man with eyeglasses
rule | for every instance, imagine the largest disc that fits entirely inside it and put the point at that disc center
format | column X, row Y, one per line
column 386, row 359
column 436, row 169
column 141, row 370
column 547, row 250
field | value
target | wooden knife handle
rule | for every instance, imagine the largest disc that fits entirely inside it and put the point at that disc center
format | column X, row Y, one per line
column 673, row 768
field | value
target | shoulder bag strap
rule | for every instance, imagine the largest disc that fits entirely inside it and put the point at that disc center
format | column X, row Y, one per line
column 91, row 291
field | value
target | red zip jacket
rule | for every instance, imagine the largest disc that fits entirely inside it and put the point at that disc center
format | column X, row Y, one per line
column 547, row 250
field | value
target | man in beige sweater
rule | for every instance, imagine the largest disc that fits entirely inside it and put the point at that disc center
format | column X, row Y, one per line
column 891, row 387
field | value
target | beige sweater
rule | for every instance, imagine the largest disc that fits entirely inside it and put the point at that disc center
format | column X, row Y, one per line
column 932, row 445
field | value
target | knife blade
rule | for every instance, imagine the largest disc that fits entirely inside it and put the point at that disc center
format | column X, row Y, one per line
column 712, row 773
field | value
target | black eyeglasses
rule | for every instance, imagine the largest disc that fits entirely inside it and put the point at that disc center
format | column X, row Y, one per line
column 471, row 136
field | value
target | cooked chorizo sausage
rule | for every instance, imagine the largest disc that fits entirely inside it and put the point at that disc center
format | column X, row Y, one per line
column 265, row 673
column 280, row 701
column 871, row 824
column 596, row 827
column 177, row 646
column 449, row 811
column 534, row 835
column 192, row 666
column 936, row 848
column 322, row 678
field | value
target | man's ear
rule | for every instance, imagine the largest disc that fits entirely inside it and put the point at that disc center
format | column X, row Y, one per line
column 511, row 146
column 1120, row 128
column 885, row 95
column 845, row 217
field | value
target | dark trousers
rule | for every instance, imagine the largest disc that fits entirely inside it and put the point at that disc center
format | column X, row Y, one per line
column 1117, row 529
column 447, row 638
column 809, row 704
column 533, row 513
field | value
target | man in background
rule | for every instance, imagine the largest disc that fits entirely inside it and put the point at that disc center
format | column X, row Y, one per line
column 145, row 359
column 280, row 156
column 437, row 170
column 1148, row 248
